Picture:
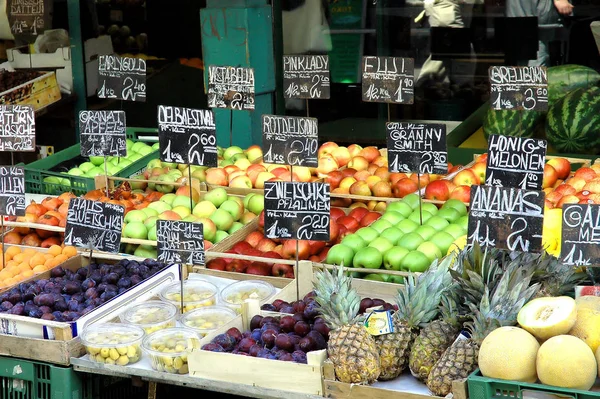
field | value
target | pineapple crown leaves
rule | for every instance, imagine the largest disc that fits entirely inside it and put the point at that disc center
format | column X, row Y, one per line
column 418, row 300
column 555, row 277
column 337, row 301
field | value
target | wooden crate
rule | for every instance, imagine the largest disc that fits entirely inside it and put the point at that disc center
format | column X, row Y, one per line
column 39, row 92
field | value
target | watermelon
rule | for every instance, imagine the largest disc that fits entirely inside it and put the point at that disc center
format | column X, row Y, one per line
column 512, row 123
column 573, row 122
column 566, row 78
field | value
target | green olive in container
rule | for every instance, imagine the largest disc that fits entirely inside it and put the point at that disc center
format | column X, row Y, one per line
column 235, row 294
column 151, row 316
column 196, row 294
column 169, row 349
column 113, row 343
column 206, row 320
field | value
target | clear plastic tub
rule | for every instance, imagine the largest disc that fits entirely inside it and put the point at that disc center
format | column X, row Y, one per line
column 196, row 294
column 151, row 316
column 168, row 349
column 206, row 320
column 235, row 294
column 113, row 343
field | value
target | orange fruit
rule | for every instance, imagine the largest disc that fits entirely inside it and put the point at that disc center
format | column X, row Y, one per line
column 2, row 285
column 49, row 264
column 30, row 251
column 39, row 269
column 37, row 259
column 18, row 278
column 60, row 258
column 19, row 257
column 10, row 282
column 27, row 274
column 11, row 252
column 23, row 267
column 69, row 251
column 12, row 271
column 48, row 256
column 55, row 250
column 12, row 263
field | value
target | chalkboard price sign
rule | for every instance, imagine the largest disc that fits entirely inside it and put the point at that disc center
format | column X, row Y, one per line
column 231, row 88
column 28, row 18
column 17, row 128
column 12, row 191
column 388, row 80
column 102, row 133
column 95, row 225
column 519, row 88
column 515, row 162
column 580, row 241
column 187, row 136
column 288, row 140
column 180, row 242
column 306, row 76
column 122, row 78
column 506, row 218
column 417, row 147
column 296, row 210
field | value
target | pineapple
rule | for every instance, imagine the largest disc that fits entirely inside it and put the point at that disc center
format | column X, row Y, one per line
column 555, row 277
column 500, row 309
column 418, row 303
column 434, row 339
column 351, row 348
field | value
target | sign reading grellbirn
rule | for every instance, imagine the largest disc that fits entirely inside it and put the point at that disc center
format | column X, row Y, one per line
column 296, row 210
column 417, row 147
column 519, row 88
column 102, row 133
column 306, row 76
column 17, row 128
column 388, row 80
column 506, row 218
column 180, row 242
column 95, row 225
column 580, row 241
column 28, row 18
column 187, row 136
column 515, row 162
column 121, row 78
column 12, row 191
column 289, row 140
column 231, row 88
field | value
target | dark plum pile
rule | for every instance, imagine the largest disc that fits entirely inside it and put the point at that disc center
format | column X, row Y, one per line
column 67, row 295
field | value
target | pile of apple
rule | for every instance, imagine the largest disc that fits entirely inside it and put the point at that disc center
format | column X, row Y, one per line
column 399, row 241
column 581, row 188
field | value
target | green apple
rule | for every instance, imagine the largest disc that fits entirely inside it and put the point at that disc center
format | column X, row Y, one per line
column 222, row 219
column 340, row 254
column 380, row 225
column 410, row 241
column 160, row 206
column 145, row 150
column 129, row 144
column 149, row 212
column 437, row 222
column 425, row 231
column 150, row 221
column 84, row 167
column 392, row 234
column 393, row 217
column 412, row 200
column 169, row 198
column 65, row 182
column 156, row 146
column 430, row 250
column 97, row 160
column 392, row 259
column 146, row 251
column 95, row 171
column 217, row 196
column 368, row 234
column 204, row 209
column 175, row 174
column 123, row 163
column 235, row 227
column 381, row 244
column 165, row 188
column 407, row 226
column 396, row 279
column 183, row 200
column 256, row 204
column 246, row 199
column 220, row 236
column 75, row 172
column 191, row 218
column 416, row 216
column 415, row 262
column 208, row 228
column 450, row 214
column 236, row 199
column 152, row 233
column 429, row 207
column 399, row 207
column 463, row 222
column 375, row 277
column 231, row 151
column 182, row 210
column 225, row 162
column 354, row 241
column 457, row 205
column 113, row 170
column 236, row 157
column 455, row 230
column 235, row 209
column 442, row 240
column 154, row 163
column 135, row 230
column 135, row 216
column 134, row 157
column 369, row 258
column 138, row 144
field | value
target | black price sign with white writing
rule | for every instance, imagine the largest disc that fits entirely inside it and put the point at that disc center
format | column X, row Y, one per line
column 388, row 80
column 506, row 218
column 12, row 191
column 288, row 140
column 519, row 88
column 417, row 147
column 94, row 225
column 17, row 128
column 306, row 76
column 580, row 241
column 231, row 88
column 122, row 78
column 295, row 210
column 515, row 162
column 28, row 18
column 180, row 242
column 187, row 136
column 102, row 133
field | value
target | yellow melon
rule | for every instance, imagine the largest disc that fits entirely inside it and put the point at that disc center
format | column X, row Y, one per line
column 566, row 361
column 588, row 302
column 587, row 327
column 548, row 317
column 509, row 353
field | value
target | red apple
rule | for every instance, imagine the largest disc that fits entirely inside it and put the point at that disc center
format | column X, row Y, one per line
column 327, row 164
column 259, row 269
column 334, row 178
column 554, row 196
column 462, row 193
column 397, row 176
column 382, row 189
column 237, row 266
column 334, row 231
column 362, row 175
column 369, row 218
column 241, row 247
column 358, row 163
column 326, row 148
column 403, row 187
column 254, row 238
column 465, row 177
column 562, row 167
column 289, row 249
column 482, row 158
column 369, row 153
column 348, row 172
column 216, row 264
column 583, row 195
column 437, row 190
column 548, row 204
column 586, row 173
column 358, row 213
column 550, row 176
column 383, row 173
column 343, row 232
column 593, row 186
column 350, row 223
column 216, row 176
column 341, row 155
column 568, row 199
column 335, row 213
column 266, row 245
column 316, row 246
column 360, row 188
column 354, row 149
column 478, row 170
column 565, row 189
column 577, row 182
column 282, row 270
column 423, row 179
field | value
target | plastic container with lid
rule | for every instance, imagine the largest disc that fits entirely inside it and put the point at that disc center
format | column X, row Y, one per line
column 168, row 349
column 235, row 294
column 196, row 294
column 206, row 320
column 113, row 343
column 151, row 316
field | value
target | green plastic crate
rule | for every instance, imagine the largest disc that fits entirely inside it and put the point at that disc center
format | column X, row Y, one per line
column 25, row 379
column 481, row 387
column 37, row 171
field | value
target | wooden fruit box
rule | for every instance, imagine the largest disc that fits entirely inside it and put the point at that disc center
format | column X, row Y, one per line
column 39, row 92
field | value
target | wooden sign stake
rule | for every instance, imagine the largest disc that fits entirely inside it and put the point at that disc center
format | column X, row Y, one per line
column 106, row 176
column 190, row 184
column 297, row 260
column 4, row 232
column 420, row 199
column 181, row 285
